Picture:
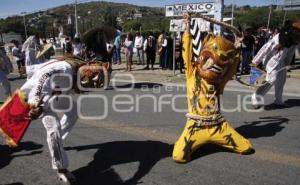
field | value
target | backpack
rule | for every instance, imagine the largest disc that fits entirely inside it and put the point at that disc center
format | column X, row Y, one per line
column 68, row 47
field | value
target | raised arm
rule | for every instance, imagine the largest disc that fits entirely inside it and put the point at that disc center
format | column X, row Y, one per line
column 187, row 46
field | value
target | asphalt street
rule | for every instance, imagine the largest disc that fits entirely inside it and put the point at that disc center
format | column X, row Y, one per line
column 135, row 147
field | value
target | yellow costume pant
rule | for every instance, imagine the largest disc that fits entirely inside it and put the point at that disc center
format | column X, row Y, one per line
column 194, row 136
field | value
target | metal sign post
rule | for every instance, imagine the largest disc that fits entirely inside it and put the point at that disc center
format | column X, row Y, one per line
column 212, row 9
column 174, row 52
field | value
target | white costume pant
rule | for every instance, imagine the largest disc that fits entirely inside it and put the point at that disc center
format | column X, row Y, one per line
column 5, row 83
column 41, row 85
column 57, row 130
column 278, row 81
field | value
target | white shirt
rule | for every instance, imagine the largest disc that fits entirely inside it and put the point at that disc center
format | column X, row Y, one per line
column 16, row 53
column 77, row 48
column 274, row 57
column 41, row 82
column 165, row 43
column 138, row 42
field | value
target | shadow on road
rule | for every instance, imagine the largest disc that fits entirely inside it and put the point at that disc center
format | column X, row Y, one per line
column 17, row 183
column 140, row 85
column 265, row 127
column 100, row 171
column 290, row 104
column 8, row 154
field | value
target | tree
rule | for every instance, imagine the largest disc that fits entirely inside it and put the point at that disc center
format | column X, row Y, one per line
column 109, row 17
column 132, row 24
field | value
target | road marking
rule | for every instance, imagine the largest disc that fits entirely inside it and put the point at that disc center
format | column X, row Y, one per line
column 153, row 134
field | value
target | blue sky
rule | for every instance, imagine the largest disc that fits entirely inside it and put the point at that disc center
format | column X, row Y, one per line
column 13, row 7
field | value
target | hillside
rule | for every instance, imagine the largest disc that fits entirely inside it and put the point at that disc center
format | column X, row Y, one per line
column 126, row 16
column 90, row 14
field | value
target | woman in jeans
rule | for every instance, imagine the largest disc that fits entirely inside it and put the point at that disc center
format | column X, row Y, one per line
column 128, row 44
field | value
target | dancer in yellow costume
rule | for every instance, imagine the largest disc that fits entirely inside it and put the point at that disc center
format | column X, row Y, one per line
column 206, row 80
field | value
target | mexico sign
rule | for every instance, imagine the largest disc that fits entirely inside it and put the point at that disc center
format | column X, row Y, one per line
column 291, row 5
column 178, row 9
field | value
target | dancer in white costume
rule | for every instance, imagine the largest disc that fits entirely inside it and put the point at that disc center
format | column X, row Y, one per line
column 42, row 92
column 276, row 55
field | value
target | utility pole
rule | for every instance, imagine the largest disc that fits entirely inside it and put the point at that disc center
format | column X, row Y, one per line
column 232, row 10
column 269, row 19
column 76, row 21
column 219, row 16
column 24, row 22
column 285, row 11
column 284, row 18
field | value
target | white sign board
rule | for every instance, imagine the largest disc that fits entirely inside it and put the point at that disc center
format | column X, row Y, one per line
column 290, row 5
column 179, row 9
column 177, row 25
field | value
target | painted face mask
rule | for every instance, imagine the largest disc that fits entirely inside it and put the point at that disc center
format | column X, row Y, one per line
column 93, row 75
column 217, row 59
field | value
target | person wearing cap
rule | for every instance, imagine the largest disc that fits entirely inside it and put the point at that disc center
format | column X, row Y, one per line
column 5, row 68
column 276, row 55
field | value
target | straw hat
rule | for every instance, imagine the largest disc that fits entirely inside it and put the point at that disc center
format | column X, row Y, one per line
column 10, row 45
column 43, row 50
column 297, row 24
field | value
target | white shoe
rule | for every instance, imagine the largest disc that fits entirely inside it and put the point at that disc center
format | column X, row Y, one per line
column 66, row 176
column 254, row 101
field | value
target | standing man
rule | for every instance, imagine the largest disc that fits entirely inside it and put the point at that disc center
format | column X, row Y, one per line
column 248, row 42
column 150, row 49
column 117, row 49
column 67, row 46
column 276, row 55
column 18, row 57
column 138, row 44
column 5, row 68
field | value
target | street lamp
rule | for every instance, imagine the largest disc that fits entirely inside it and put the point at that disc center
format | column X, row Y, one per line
column 76, row 21
column 24, row 21
column 232, row 10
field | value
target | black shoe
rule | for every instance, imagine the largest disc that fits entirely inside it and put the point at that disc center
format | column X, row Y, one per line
column 256, row 106
column 66, row 177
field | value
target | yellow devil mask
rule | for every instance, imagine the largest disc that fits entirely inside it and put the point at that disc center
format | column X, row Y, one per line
column 218, row 59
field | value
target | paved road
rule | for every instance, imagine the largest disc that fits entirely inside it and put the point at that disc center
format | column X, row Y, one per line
column 136, row 147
